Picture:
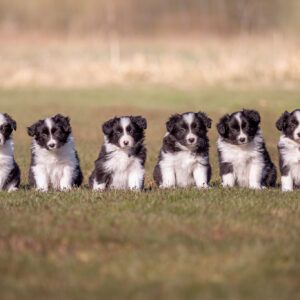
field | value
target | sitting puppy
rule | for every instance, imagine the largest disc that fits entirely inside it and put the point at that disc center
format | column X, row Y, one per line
column 243, row 157
column 289, row 149
column 54, row 161
column 183, row 158
column 121, row 162
column 9, row 170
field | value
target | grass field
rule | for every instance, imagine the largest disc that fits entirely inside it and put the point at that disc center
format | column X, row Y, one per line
column 163, row 244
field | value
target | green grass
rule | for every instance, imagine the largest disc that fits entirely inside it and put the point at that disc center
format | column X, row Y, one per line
column 164, row 244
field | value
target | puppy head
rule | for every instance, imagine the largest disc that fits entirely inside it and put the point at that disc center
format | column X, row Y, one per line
column 125, row 132
column 189, row 129
column 7, row 125
column 240, row 127
column 289, row 124
column 51, row 133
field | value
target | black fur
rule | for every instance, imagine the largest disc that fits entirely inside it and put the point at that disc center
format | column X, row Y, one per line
column 177, row 130
column 14, row 177
column 230, row 129
column 113, row 131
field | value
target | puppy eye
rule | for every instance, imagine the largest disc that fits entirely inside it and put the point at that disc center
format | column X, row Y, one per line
column 194, row 125
column 53, row 130
column 128, row 128
column 119, row 130
column 244, row 125
column 45, row 132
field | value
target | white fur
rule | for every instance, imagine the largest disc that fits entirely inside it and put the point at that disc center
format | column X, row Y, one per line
column 6, row 162
column 127, row 171
column 242, row 133
column 52, row 141
column 246, row 160
column 183, row 168
column 290, row 155
column 124, row 122
column 189, row 118
column 54, row 168
column 297, row 130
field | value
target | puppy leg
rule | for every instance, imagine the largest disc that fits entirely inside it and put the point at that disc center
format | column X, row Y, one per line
column 255, row 176
column 287, row 183
column 201, row 176
column 66, row 180
column 40, row 177
column 168, row 177
column 226, row 172
column 136, row 178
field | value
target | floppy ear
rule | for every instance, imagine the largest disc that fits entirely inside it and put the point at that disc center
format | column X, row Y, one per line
column 107, row 126
column 139, row 121
column 172, row 121
column 253, row 115
column 32, row 130
column 65, row 121
column 11, row 121
column 206, row 120
column 222, row 126
column 281, row 122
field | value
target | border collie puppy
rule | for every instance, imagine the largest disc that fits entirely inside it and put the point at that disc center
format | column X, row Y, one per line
column 54, row 161
column 183, row 160
column 243, row 157
column 289, row 149
column 9, row 171
column 121, row 162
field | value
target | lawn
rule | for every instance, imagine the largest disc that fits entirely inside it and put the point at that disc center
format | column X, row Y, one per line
column 163, row 244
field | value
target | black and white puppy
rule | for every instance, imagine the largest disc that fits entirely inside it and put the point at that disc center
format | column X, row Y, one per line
column 243, row 157
column 289, row 149
column 184, row 157
column 9, row 170
column 54, row 161
column 121, row 162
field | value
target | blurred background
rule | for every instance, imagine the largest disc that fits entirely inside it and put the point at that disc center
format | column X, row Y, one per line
column 66, row 43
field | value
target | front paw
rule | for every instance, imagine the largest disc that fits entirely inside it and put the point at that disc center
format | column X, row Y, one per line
column 255, row 186
column 227, row 185
column 287, row 189
column 42, row 189
column 65, row 187
column 204, row 185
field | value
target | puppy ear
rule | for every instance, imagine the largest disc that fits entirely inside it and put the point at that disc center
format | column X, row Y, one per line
column 222, row 126
column 282, row 121
column 139, row 121
column 206, row 120
column 11, row 121
column 107, row 126
column 64, row 121
column 253, row 115
column 172, row 121
column 32, row 130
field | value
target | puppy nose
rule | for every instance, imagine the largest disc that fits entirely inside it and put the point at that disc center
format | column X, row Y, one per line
column 242, row 140
column 126, row 143
column 299, row 134
column 52, row 145
column 191, row 140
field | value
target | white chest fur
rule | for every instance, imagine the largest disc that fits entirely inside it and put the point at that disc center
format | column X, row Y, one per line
column 182, row 164
column 124, row 168
column 290, row 154
column 243, row 158
column 6, row 161
column 54, row 167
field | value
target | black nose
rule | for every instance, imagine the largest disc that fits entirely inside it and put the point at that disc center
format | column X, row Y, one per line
column 191, row 140
column 299, row 134
column 51, row 145
column 242, row 140
column 126, row 143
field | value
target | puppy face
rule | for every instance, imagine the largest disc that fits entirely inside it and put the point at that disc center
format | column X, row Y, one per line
column 7, row 125
column 240, row 127
column 51, row 133
column 125, row 132
column 289, row 124
column 189, row 129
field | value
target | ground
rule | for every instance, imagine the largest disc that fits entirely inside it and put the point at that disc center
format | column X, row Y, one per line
column 164, row 244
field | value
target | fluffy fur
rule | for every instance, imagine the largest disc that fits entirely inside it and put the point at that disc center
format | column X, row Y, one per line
column 121, row 162
column 243, row 157
column 183, row 159
column 9, row 170
column 289, row 149
column 54, row 161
